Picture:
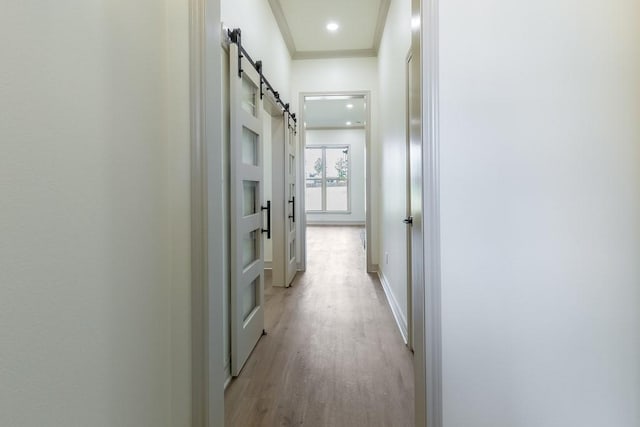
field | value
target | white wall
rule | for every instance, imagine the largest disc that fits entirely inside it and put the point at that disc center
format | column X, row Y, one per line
column 179, row 178
column 344, row 74
column 94, row 258
column 262, row 39
column 392, row 57
column 540, row 192
column 355, row 139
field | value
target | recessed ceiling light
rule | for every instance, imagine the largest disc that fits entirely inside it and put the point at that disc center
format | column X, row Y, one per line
column 348, row 123
column 349, row 106
column 333, row 26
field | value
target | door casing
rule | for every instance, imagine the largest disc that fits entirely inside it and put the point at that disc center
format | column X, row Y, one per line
column 427, row 290
column 207, row 218
column 410, row 337
column 302, row 236
column 207, row 188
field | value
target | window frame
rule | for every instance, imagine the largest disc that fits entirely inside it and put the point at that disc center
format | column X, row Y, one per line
column 324, row 148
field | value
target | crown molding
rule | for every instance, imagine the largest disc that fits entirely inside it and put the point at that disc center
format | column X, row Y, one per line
column 283, row 25
column 327, row 54
column 382, row 20
column 285, row 31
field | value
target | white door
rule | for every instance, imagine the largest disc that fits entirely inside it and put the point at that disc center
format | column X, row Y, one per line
column 293, row 209
column 409, row 214
column 247, row 217
column 415, row 221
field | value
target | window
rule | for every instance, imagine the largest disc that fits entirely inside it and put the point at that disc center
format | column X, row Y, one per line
column 327, row 179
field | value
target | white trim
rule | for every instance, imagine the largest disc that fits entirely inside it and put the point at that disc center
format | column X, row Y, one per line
column 371, row 268
column 301, row 192
column 207, row 217
column 302, row 264
column 283, row 25
column 329, row 213
column 301, row 245
column 327, row 54
column 382, row 21
column 428, row 355
column 401, row 320
column 227, row 374
column 334, row 127
column 336, row 223
column 285, row 31
column 268, row 265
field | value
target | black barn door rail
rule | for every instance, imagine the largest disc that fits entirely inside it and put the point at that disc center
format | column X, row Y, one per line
column 235, row 36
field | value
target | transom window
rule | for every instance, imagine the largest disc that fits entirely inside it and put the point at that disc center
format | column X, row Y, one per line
column 327, row 176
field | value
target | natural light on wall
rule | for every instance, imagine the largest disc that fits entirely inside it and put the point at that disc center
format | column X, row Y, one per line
column 415, row 22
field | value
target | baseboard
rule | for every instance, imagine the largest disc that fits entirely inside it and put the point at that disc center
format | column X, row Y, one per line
column 401, row 321
column 336, row 223
column 227, row 375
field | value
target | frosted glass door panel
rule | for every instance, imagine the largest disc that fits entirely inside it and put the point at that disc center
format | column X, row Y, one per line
column 250, row 204
column 250, row 251
column 249, row 299
column 249, row 96
column 249, row 147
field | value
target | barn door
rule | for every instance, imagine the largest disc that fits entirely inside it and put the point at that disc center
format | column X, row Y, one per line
column 248, row 217
column 290, row 180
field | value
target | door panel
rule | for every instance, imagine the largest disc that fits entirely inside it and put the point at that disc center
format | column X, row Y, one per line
column 408, row 212
column 417, row 245
column 246, row 165
column 283, row 192
column 291, row 156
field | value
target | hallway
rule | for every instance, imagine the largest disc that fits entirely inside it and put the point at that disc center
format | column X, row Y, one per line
column 333, row 355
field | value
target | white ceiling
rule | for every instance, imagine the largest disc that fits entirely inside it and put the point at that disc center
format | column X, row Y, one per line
column 303, row 26
column 333, row 112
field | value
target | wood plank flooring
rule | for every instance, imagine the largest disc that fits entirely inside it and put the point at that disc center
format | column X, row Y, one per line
column 333, row 355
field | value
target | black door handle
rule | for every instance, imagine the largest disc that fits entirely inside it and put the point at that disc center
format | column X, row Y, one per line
column 408, row 220
column 268, row 209
column 293, row 208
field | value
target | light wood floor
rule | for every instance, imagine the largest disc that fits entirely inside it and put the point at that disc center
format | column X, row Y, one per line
column 333, row 355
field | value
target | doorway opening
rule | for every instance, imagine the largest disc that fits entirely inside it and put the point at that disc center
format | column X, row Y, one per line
column 220, row 268
column 335, row 145
column 338, row 306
